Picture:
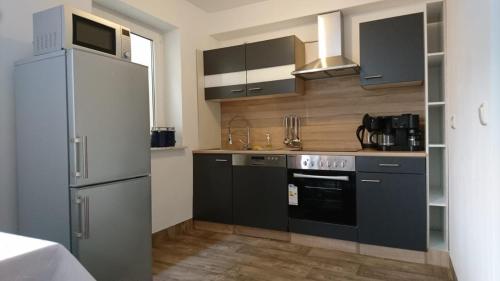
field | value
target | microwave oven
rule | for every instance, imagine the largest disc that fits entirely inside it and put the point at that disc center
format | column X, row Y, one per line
column 64, row 27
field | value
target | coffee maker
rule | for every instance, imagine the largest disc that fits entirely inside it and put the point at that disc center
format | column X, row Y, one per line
column 391, row 133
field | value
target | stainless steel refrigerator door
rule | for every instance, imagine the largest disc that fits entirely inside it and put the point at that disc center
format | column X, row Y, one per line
column 108, row 108
column 111, row 229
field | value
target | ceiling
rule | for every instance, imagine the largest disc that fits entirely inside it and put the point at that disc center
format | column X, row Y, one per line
column 219, row 5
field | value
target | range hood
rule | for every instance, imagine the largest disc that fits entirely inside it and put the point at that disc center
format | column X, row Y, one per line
column 331, row 62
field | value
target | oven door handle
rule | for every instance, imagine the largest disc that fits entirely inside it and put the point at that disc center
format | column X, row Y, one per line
column 333, row 178
column 322, row 188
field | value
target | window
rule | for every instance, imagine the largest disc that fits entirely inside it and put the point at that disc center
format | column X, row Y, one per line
column 142, row 50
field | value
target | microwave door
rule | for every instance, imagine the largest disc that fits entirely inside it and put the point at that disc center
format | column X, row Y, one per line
column 108, row 108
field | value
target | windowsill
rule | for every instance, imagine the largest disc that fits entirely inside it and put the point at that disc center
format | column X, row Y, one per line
column 171, row 148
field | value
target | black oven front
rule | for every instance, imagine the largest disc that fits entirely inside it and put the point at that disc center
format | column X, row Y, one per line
column 322, row 189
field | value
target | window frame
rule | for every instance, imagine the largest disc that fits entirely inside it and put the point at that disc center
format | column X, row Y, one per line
column 153, row 75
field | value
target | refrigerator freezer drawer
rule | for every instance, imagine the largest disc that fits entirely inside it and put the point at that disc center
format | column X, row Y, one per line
column 111, row 229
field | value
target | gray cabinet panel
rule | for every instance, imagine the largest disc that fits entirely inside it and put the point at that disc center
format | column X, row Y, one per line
column 271, row 87
column 260, row 205
column 213, row 188
column 115, row 222
column 224, row 60
column 226, row 92
column 392, row 210
column 269, row 53
column 392, row 50
column 404, row 165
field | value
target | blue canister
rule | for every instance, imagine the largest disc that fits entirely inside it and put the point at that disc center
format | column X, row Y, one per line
column 162, row 136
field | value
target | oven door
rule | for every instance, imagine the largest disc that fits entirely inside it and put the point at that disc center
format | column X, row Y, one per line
column 325, row 196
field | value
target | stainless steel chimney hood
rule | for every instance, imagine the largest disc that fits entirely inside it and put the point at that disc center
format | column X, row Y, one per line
column 331, row 62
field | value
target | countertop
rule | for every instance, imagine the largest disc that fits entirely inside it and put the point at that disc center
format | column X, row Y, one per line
column 364, row 152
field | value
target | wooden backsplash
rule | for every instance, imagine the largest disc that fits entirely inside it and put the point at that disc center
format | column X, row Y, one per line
column 330, row 112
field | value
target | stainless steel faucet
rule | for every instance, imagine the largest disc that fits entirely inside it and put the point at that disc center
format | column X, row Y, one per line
column 246, row 144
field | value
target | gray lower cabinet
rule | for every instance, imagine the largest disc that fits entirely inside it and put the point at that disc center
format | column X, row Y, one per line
column 261, row 201
column 392, row 210
column 212, row 188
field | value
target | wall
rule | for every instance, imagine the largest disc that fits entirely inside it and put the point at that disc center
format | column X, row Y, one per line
column 472, row 71
column 15, row 43
column 184, row 34
column 172, row 171
column 330, row 111
column 305, row 28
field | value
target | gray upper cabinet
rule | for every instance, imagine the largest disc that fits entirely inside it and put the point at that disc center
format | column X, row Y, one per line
column 224, row 60
column 225, row 73
column 392, row 51
column 256, row 69
column 270, row 53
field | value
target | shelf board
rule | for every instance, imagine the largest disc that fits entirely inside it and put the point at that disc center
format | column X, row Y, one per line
column 437, row 240
column 170, row 148
column 435, row 59
column 437, row 145
column 436, row 197
column 436, row 103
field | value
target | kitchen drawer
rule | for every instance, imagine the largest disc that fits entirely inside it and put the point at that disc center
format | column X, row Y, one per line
column 272, row 87
column 402, row 165
column 226, row 92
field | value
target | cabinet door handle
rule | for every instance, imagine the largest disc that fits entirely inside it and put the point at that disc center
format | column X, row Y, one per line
column 373, row 76
column 388, row 165
column 255, row 89
column 237, row 91
column 221, row 160
column 372, row 181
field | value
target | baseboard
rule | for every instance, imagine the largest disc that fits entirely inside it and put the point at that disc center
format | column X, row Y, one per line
column 452, row 271
column 172, row 232
column 432, row 257
column 214, row 227
column 324, row 243
column 262, row 233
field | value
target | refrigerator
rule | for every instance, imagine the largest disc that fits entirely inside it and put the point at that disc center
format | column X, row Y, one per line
column 83, row 159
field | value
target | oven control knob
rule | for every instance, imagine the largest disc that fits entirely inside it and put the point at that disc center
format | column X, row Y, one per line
column 328, row 164
column 342, row 164
column 312, row 164
column 305, row 163
column 335, row 164
column 321, row 164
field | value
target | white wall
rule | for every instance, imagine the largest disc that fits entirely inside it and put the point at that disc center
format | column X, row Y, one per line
column 306, row 26
column 15, row 43
column 172, row 187
column 472, row 75
column 272, row 11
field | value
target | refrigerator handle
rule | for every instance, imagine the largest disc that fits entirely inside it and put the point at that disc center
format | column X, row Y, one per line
column 78, row 152
column 83, row 217
column 85, row 166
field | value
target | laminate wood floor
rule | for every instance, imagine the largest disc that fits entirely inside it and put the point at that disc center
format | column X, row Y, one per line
column 202, row 255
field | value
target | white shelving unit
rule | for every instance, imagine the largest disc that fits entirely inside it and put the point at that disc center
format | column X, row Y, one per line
column 437, row 171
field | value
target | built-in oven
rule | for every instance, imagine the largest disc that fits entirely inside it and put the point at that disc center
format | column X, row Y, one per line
column 322, row 195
